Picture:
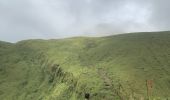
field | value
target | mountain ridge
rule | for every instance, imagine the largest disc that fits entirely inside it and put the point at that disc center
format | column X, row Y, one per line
column 69, row 68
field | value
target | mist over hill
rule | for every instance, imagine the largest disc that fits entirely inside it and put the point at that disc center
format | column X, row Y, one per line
column 132, row 66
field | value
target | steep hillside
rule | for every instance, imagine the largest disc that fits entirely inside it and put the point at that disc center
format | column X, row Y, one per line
column 132, row 66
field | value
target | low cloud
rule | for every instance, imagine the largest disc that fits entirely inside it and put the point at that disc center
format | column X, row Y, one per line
column 26, row 19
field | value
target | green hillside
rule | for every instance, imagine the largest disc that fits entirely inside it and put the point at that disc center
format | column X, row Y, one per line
column 108, row 68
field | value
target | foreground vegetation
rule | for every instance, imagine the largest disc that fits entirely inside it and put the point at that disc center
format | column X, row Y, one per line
column 121, row 67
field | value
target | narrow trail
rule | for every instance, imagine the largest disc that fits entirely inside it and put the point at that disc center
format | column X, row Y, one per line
column 111, row 93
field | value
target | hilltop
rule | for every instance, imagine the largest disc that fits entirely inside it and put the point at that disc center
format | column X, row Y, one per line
column 107, row 68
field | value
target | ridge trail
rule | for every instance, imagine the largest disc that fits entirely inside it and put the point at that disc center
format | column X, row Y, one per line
column 111, row 93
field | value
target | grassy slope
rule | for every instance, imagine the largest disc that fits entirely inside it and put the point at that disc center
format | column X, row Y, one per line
column 114, row 67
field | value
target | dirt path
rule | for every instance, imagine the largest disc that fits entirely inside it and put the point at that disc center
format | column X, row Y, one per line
column 111, row 93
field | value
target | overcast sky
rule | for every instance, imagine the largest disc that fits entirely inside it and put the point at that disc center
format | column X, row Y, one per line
column 29, row 19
